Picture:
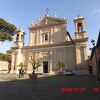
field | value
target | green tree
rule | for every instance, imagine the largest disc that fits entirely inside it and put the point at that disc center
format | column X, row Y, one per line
column 6, row 30
column 61, row 65
column 21, row 70
column 8, row 53
column 4, row 57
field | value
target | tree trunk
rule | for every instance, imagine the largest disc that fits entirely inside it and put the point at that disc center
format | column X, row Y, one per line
column 33, row 70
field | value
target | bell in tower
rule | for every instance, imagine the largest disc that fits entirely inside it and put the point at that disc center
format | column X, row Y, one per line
column 80, row 28
column 80, row 31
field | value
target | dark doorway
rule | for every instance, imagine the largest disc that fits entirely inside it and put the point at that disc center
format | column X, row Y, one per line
column 45, row 66
column 98, row 65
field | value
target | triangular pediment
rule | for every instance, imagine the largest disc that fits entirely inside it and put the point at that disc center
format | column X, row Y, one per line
column 47, row 21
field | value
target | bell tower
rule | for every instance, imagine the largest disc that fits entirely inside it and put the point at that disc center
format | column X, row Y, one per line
column 18, row 42
column 80, row 31
column 18, row 39
column 81, row 44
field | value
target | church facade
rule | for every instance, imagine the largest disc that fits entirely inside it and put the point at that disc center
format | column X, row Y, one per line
column 50, row 42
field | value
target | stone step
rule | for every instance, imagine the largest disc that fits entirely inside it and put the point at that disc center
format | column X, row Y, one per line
column 81, row 72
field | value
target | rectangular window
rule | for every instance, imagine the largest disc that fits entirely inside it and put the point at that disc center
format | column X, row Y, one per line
column 45, row 37
column 80, row 28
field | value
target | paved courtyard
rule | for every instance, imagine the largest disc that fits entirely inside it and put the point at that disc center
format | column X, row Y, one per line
column 47, row 88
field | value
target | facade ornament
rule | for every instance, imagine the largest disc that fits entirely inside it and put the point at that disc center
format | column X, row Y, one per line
column 38, row 18
column 63, row 17
column 46, row 21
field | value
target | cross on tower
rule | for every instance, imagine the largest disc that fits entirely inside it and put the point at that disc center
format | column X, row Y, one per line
column 78, row 14
column 46, row 12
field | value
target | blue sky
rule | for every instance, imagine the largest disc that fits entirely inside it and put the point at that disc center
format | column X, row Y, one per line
column 24, row 12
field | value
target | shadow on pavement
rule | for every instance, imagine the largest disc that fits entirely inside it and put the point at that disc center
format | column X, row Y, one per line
column 49, row 88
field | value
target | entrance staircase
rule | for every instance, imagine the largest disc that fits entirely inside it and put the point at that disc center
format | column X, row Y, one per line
column 81, row 72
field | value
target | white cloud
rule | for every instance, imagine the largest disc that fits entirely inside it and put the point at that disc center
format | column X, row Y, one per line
column 96, row 11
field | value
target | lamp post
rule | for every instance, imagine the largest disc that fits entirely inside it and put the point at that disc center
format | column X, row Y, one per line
column 93, row 43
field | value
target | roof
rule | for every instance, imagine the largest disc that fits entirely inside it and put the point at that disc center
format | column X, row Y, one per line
column 78, row 17
column 97, row 45
column 70, row 37
column 98, row 41
column 19, row 30
column 47, row 21
column 92, row 53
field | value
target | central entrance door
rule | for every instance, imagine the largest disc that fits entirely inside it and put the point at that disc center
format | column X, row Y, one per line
column 45, row 66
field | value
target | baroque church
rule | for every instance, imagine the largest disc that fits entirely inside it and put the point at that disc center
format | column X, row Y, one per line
column 50, row 42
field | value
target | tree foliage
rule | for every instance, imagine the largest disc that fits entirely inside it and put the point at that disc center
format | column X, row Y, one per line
column 61, row 64
column 21, row 65
column 6, row 30
column 4, row 57
column 9, row 52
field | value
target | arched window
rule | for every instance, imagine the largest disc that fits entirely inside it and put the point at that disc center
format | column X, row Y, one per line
column 80, row 28
column 17, row 37
column 22, row 38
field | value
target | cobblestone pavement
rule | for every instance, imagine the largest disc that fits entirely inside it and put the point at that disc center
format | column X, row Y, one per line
column 48, row 88
column 9, row 77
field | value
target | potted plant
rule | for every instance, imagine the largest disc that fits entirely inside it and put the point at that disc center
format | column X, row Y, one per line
column 61, row 65
column 35, row 64
column 21, row 70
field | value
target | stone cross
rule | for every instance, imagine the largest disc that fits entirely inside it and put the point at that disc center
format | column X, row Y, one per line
column 78, row 14
column 46, row 12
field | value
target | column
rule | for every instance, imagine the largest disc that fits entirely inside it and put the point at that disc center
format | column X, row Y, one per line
column 19, row 60
column 78, row 59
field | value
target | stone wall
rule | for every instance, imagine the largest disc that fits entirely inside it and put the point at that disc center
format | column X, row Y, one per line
column 3, row 65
